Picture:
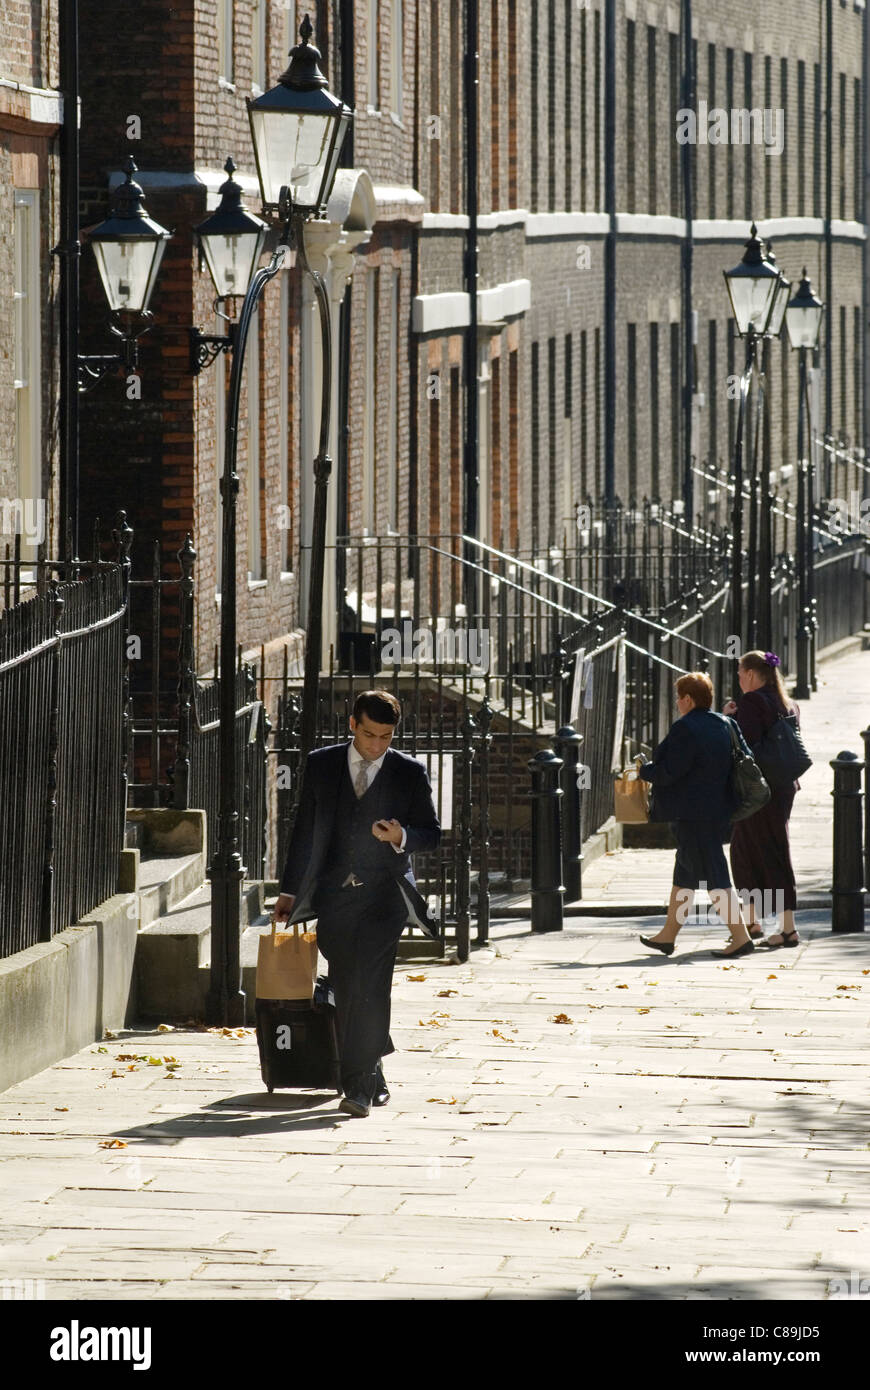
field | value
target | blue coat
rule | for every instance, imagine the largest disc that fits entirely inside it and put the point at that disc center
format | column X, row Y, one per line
column 691, row 769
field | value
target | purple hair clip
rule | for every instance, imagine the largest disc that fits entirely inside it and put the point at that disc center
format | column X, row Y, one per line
column 771, row 658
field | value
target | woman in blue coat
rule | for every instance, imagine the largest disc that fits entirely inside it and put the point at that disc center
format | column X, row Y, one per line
column 691, row 775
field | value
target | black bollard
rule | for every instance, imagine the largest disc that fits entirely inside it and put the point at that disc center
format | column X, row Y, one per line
column 567, row 745
column 847, row 894
column 547, row 887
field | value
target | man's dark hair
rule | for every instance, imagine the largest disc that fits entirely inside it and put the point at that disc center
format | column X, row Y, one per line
column 380, row 706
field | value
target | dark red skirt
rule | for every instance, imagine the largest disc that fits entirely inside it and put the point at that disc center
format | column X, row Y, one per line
column 761, row 855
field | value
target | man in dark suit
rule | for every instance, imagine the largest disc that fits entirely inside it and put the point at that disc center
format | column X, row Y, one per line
column 364, row 809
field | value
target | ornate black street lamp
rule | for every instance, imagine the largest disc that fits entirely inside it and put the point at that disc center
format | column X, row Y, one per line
column 297, row 129
column 231, row 239
column 754, row 286
column 803, row 320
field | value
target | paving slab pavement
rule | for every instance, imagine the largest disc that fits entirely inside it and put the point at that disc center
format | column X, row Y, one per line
column 691, row 1129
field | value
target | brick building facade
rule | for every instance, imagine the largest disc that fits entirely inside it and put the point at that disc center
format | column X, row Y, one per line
column 605, row 357
column 30, row 115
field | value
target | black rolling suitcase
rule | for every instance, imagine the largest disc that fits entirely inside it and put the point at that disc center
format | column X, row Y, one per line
column 297, row 1042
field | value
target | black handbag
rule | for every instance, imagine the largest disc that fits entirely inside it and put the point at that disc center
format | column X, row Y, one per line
column 781, row 753
column 748, row 783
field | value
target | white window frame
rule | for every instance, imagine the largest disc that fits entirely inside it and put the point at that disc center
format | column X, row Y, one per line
column 285, row 561
column 27, row 357
column 258, row 47
column 252, row 373
column 225, row 18
column 369, row 433
column 220, row 440
column 397, row 40
column 393, row 421
column 374, row 96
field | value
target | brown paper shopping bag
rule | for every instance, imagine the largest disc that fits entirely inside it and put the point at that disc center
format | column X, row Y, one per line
column 630, row 797
column 287, row 964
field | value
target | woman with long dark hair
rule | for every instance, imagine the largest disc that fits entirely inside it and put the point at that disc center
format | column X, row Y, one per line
column 691, row 776
column 760, row 851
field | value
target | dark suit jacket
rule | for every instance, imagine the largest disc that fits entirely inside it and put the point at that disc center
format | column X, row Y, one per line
column 691, row 769
column 401, row 791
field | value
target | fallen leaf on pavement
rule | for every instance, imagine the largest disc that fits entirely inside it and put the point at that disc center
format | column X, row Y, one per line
column 848, row 986
column 154, row 1061
column 417, row 978
column 117, row 1073
column 561, row 1018
column 643, row 1011
column 497, row 1034
column 61, row 1107
column 436, row 1100
column 429, row 1023
column 165, row 1028
column 112, row 1144
column 107, row 1033
column 446, row 993
column 773, row 977
column 622, row 986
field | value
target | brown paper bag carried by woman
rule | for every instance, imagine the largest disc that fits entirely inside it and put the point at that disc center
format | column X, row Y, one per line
column 287, row 964
column 630, row 797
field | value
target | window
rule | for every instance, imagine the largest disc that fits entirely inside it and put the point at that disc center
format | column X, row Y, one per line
column 393, row 420
column 373, row 37
column 512, row 82
column 630, row 117
column 570, row 61
column 397, row 44
column 783, row 161
column 220, row 442
column 729, row 148
column 713, row 393
column 495, row 110
column 27, row 368
column 631, row 369
column 674, row 82
column 655, row 486
column 818, row 136
column 842, row 161
column 435, row 136
column 711, row 102
column 536, row 443
column 801, row 138
column 284, row 545
column 552, row 148
column 584, row 102
column 456, row 119
column 252, row 370
column 584, row 419
column 599, row 101
column 652, row 108
column 258, row 47
column 766, row 162
column 225, row 14
column 748, row 189
column 369, row 432
column 676, row 394
column 552, row 443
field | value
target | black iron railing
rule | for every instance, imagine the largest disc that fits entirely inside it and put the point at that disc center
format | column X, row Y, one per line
column 62, row 748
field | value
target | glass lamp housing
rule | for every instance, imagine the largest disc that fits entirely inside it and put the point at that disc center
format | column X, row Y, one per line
column 803, row 316
column 129, row 247
column 752, row 288
column 231, row 240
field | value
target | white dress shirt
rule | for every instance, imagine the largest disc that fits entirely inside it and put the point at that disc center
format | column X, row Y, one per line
column 373, row 767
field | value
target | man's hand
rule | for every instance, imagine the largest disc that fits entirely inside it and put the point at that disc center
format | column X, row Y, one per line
column 730, row 707
column 283, row 907
column 388, row 830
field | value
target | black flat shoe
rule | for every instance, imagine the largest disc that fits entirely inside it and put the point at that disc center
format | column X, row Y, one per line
column 381, row 1095
column 666, row 947
column 358, row 1105
column 745, row 950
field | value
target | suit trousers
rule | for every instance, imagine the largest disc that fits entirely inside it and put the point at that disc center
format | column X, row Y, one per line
column 358, row 930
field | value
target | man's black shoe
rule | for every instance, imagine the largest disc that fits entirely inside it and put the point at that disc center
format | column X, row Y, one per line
column 381, row 1095
column 357, row 1105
